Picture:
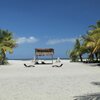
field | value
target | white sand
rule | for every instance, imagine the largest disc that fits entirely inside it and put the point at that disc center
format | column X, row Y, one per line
column 45, row 82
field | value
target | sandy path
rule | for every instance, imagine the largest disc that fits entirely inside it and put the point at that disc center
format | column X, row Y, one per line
column 44, row 82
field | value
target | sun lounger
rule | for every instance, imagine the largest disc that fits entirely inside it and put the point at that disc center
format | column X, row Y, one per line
column 29, row 65
column 57, row 65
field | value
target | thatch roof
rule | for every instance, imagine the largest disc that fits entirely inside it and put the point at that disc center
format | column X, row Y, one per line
column 44, row 52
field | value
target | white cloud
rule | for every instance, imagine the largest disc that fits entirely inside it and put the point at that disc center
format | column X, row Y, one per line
column 58, row 41
column 22, row 40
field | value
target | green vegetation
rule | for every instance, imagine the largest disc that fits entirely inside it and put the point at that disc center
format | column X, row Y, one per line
column 7, row 43
column 89, row 44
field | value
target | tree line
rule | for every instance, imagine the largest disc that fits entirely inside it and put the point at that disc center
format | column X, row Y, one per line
column 88, row 45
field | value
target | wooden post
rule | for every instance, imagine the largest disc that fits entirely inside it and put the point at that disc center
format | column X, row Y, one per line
column 52, row 59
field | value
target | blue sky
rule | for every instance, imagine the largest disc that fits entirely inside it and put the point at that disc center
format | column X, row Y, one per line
column 47, row 23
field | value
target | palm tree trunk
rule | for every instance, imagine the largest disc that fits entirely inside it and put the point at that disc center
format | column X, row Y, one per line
column 3, row 58
column 81, row 57
column 96, row 55
column 91, row 57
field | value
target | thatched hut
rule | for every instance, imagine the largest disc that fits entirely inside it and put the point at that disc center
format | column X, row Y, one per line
column 44, row 52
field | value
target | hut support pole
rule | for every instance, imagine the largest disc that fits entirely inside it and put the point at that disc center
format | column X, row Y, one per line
column 52, row 59
column 36, row 58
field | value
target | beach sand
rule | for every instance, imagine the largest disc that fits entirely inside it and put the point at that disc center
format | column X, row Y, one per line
column 44, row 82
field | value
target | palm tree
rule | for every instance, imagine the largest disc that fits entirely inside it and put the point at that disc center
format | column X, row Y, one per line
column 97, row 39
column 7, row 43
column 73, row 56
column 95, row 26
column 90, row 44
column 92, row 40
column 95, row 33
column 78, row 51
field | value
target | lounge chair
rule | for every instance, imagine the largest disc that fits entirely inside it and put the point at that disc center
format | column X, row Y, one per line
column 36, row 62
column 58, row 60
column 57, row 65
column 43, row 62
column 29, row 65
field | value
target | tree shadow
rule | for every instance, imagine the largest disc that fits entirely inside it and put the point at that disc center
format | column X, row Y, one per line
column 95, row 96
column 96, row 83
column 94, row 64
column 98, row 64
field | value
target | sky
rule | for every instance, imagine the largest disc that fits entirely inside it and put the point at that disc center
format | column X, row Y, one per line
column 47, row 24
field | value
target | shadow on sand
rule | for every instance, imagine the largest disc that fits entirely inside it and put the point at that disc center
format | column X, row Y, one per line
column 96, row 83
column 94, row 64
column 93, row 96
